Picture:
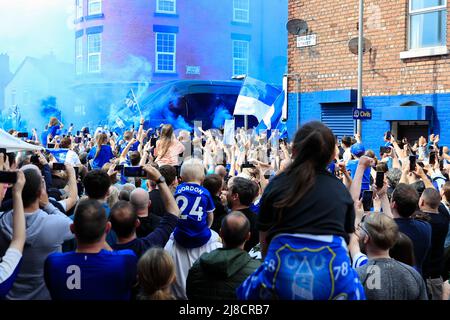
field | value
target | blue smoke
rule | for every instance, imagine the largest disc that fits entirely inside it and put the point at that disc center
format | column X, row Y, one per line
column 220, row 115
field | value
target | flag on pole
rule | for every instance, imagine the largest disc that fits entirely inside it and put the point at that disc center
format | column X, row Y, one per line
column 16, row 116
column 256, row 98
column 131, row 101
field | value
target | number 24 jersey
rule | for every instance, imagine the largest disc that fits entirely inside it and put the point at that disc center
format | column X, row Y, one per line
column 195, row 203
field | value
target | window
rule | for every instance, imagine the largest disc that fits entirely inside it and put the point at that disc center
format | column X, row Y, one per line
column 79, row 55
column 94, row 7
column 94, row 52
column 166, row 50
column 241, row 10
column 166, row 6
column 240, row 57
column 427, row 23
column 79, row 9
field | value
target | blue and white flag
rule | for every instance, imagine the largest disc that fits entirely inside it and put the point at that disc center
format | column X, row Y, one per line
column 59, row 154
column 258, row 99
column 273, row 116
column 131, row 102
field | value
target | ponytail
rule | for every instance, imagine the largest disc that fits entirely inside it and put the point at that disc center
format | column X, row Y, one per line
column 101, row 138
column 314, row 146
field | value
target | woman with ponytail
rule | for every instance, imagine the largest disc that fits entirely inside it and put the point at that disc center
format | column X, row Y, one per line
column 102, row 153
column 168, row 148
column 156, row 273
column 305, row 219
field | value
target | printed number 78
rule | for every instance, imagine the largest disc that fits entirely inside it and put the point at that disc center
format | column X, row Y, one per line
column 343, row 269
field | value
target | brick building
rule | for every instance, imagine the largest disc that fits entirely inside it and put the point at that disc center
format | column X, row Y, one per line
column 406, row 78
column 135, row 43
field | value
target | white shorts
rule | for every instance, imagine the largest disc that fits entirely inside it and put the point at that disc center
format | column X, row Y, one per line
column 184, row 258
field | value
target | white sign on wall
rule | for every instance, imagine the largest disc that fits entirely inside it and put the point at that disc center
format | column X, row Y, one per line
column 192, row 69
column 307, row 41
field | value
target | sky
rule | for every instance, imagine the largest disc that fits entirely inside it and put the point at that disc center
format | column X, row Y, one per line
column 36, row 28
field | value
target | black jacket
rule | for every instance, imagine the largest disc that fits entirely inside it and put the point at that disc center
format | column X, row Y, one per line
column 216, row 275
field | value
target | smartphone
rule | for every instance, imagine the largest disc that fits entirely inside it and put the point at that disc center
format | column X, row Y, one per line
column 119, row 167
column 8, row 177
column 50, row 145
column 34, row 159
column 412, row 163
column 247, row 165
column 137, row 172
column 432, row 160
column 385, row 150
column 22, row 135
column 77, row 139
column 441, row 151
column 367, row 200
column 59, row 166
column 379, row 181
column 153, row 142
column 78, row 133
column 388, row 135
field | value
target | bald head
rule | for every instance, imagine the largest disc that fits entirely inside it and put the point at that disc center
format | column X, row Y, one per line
column 430, row 198
column 221, row 171
column 235, row 230
column 123, row 219
column 139, row 198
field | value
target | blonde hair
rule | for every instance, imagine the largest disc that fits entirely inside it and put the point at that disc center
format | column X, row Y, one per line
column 165, row 140
column 156, row 272
column 382, row 230
column 113, row 197
column 53, row 122
column 101, row 138
column 192, row 169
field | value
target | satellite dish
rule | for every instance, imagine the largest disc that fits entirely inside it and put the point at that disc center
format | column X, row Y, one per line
column 297, row 27
column 353, row 45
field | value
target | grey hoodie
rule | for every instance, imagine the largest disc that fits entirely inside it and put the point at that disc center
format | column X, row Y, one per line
column 46, row 231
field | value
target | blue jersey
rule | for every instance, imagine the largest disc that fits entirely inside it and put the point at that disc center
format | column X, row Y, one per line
column 195, row 203
column 104, row 156
column 352, row 165
column 304, row 267
column 107, row 275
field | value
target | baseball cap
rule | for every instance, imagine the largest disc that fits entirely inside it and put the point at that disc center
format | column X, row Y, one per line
column 358, row 149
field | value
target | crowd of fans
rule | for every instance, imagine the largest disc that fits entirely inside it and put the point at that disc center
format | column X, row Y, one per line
column 160, row 214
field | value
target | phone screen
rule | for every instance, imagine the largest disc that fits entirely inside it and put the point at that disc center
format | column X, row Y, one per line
column 388, row 135
column 367, row 200
column 379, row 179
column 385, row 150
column 59, row 166
column 412, row 163
column 134, row 172
column 50, row 145
column 8, row 177
column 432, row 158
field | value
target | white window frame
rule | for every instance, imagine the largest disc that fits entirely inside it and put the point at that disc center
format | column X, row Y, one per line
column 79, row 55
column 79, row 9
column 425, row 51
column 235, row 10
column 158, row 10
column 96, row 53
column 234, row 42
column 90, row 13
column 174, row 53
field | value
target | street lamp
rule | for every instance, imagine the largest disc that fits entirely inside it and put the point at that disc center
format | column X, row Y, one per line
column 296, row 76
column 360, row 62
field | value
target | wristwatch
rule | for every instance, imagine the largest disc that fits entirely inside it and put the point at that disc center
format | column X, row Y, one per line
column 161, row 180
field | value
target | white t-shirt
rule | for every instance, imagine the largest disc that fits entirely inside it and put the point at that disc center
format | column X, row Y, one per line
column 72, row 158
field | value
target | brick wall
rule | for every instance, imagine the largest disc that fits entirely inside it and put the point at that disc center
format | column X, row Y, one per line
column 329, row 65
